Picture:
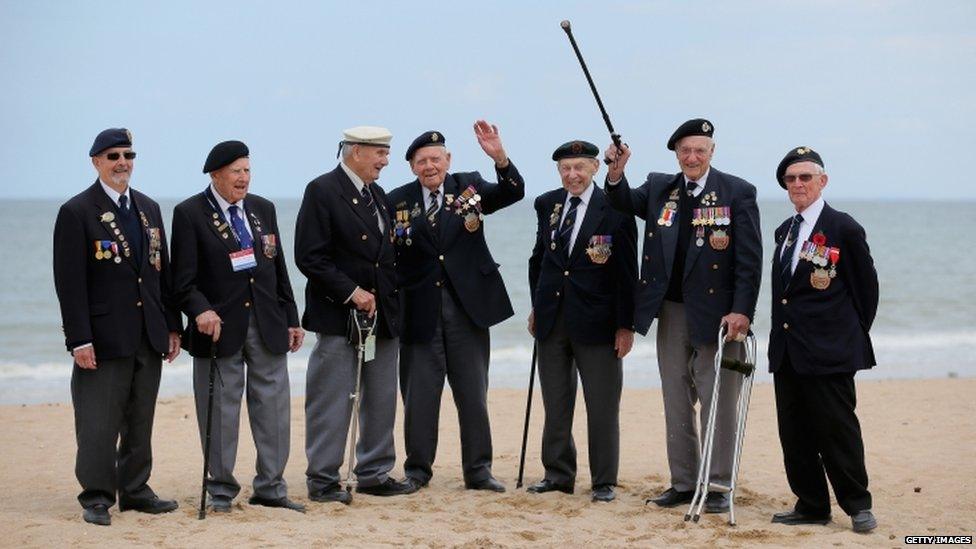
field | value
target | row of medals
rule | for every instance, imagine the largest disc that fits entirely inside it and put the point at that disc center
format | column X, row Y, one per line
column 468, row 200
column 107, row 253
column 820, row 255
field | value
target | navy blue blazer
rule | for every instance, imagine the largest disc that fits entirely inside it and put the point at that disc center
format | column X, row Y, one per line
column 338, row 246
column 110, row 300
column 825, row 331
column 716, row 281
column 596, row 298
column 454, row 254
column 203, row 277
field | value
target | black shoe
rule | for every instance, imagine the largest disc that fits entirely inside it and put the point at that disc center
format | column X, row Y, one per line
column 388, row 487
column 863, row 521
column 490, row 484
column 546, row 485
column 414, row 484
column 331, row 494
column 794, row 518
column 671, row 498
column 97, row 514
column 152, row 506
column 604, row 493
column 283, row 503
column 717, row 502
column 220, row 504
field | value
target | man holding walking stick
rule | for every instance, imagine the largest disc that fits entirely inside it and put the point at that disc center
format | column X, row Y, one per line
column 582, row 275
column 231, row 281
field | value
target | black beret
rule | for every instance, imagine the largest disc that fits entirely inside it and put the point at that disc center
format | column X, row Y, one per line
column 798, row 154
column 426, row 139
column 575, row 149
column 224, row 153
column 695, row 126
column 112, row 137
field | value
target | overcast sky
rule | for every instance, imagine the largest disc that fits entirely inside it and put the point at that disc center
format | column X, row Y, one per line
column 883, row 90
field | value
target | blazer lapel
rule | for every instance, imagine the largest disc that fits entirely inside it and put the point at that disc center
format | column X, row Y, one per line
column 448, row 220
column 591, row 220
column 256, row 231
column 109, row 219
column 218, row 224
column 669, row 235
column 694, row 249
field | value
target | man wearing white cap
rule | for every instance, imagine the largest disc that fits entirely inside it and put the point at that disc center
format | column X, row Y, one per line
column 343, row 246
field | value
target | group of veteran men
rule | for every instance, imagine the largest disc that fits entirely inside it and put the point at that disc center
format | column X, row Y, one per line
column 417, row 263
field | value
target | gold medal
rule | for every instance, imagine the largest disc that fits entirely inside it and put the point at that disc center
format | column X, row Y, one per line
column 718, row 240
column 820, row 279
column 99, row 255
column 106, row 254
column 472, row 222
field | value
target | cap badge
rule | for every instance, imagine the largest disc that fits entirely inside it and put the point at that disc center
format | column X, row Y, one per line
column 128, row 135
column 706, row 126
column 802, row 150
column 434, row 137
column 577, row 147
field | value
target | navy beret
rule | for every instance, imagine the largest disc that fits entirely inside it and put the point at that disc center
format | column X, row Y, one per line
column 576, row 149
column 112, row 137
column 224, row 153
column 798, row 154
column 426, row 139
column 695, row 126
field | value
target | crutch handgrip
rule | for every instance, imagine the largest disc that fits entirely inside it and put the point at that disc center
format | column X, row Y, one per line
column 736, row 365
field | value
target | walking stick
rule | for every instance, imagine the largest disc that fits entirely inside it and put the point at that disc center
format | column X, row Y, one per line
column 364, row 327
column 586, row 72
column 206, row 443
column 528, row 411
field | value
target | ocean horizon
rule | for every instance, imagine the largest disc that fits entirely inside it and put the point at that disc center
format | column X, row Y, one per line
column 923, row 329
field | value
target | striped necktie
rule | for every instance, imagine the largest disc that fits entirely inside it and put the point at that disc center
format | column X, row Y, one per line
column 786, row 260
column 566, row 231
column 433, row 208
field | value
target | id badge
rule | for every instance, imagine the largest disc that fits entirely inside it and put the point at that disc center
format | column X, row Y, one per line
column 243, row 260
column 370, row 351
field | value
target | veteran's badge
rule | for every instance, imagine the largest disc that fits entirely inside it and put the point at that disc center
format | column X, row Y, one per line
column 718, row 240
column 599, row 248
column 269, row 242
column 820, row 279
column 472, row 221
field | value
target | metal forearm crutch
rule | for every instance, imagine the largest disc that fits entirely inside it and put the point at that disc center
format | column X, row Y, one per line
column 746, row 369
column 364, row 329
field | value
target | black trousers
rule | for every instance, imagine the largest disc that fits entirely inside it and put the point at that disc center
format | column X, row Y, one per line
column 459, row 351
column 820, row 434
column 560, row 360
column 114, row 407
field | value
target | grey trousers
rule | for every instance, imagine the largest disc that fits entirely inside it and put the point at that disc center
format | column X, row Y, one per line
column 458, row 351
column 265, row 377
column 687, row 376
column 330, row 380
column 560, row 358
column 114, row 407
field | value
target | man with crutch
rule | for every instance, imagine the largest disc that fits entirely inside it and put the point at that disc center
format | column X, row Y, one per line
column 231, row 280
column 825, row 297
column 700, row 269
column 344, row 246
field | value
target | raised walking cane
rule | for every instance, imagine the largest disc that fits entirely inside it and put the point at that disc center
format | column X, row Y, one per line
column 214, row 371
column 362, row 335
column 746, row 369
column 528, row 411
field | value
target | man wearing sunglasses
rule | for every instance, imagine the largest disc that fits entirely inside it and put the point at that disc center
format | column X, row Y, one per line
column 701, row 266
column 111, row 273
column 825, row 296
column 231, row 280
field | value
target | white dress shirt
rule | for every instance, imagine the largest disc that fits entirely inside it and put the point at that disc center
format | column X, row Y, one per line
column 114, row 194
column 225, row 208
column 700, row 184
column 358, row 183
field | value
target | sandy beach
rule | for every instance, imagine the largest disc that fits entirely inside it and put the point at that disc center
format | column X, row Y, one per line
column 919, row 437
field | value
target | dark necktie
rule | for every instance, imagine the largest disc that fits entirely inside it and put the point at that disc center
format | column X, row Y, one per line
column 566, row 231
column 786, row 260
column 368, row 197
column 237, row 223
column 433, row 208
column 130, row 225
column 690, row 187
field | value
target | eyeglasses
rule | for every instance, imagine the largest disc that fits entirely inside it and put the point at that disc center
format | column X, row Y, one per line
column 113, row 156
column 697, row 151
column 804, row 177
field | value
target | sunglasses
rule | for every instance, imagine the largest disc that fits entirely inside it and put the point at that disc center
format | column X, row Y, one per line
column 804, row 177
column 113, row 156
